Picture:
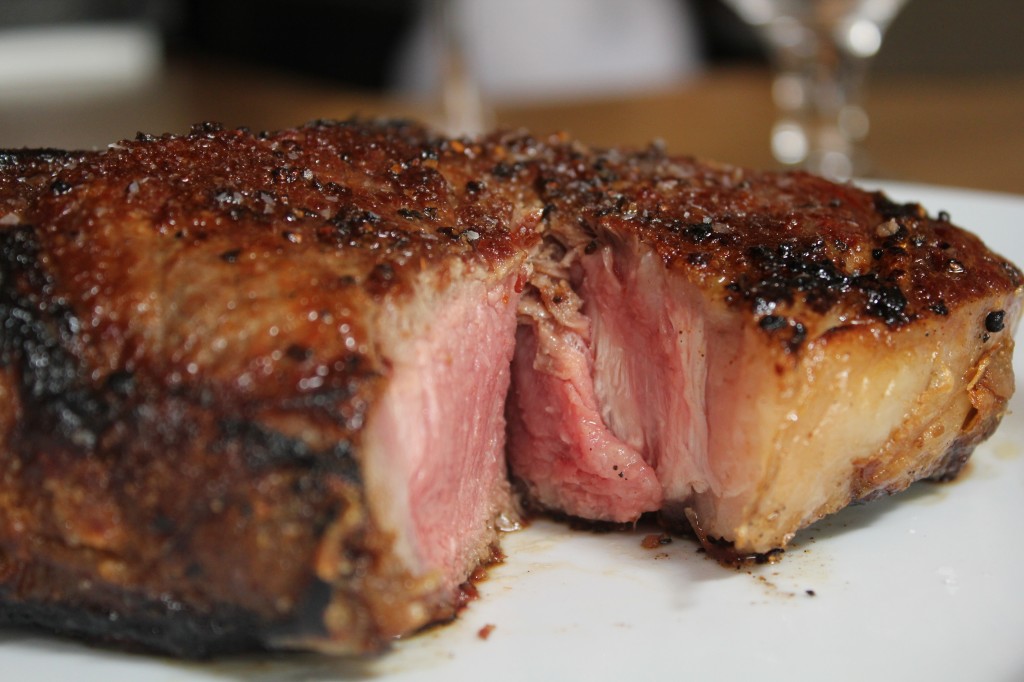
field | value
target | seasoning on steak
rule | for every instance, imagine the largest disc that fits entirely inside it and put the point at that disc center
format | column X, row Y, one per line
column 772, row 346
column 252, row 386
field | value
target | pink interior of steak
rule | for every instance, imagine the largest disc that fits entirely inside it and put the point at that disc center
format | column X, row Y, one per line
column 613, row 422
column 649, row 362
column 558, row 442
column 744, row 447
column 664, row 372
column 437, row 436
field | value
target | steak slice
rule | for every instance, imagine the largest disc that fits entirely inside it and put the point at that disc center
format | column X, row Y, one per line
column 252, row 386
column 773, row 346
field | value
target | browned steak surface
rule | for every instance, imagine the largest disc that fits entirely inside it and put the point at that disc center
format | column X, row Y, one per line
column 253, row 386
column 191, row 352
column 769, row 346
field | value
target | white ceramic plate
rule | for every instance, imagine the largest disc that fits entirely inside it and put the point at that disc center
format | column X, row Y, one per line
column 926, row 585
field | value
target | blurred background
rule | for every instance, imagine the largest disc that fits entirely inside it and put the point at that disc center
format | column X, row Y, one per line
column 945, row 95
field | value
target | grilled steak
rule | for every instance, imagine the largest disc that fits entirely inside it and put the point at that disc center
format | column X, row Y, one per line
column 253, row 386
column 255, row 389
column 771, row 346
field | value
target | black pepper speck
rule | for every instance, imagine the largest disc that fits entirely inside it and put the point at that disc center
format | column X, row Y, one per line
column 995, row 320
column 772, row 322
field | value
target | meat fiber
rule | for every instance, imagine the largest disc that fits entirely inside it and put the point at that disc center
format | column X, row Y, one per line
column 558, row 440
column 771, row 346
column 252, row 387
column 255, row 389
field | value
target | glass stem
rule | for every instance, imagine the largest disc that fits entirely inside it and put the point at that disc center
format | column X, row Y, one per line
column 817, row 91
column 462, row 102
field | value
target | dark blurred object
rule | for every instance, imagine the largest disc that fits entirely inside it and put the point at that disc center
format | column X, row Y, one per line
column 727, row 39
column 353, row 42
column 928, row 38
column 954, row 37
column 356, row 42
column 20, row 13
column 350, row 41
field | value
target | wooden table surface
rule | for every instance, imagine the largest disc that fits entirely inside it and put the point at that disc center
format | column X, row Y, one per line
column 957, row 132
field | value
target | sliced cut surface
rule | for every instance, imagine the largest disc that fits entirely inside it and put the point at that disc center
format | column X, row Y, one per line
column 774, row 345
column 559, row 445
column 437, row 434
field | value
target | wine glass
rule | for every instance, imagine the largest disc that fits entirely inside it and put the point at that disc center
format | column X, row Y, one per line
column 820, row 50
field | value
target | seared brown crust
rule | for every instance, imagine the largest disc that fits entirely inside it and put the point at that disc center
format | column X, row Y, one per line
column 807, row 265
column 184, row 374
column 800, row 253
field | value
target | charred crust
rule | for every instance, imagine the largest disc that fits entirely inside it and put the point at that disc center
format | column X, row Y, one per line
column 698, row 259
column 380, row 278
column 205, row 129
column 883, row 300
column 780, row 239
column 505, row 171
column 307, row 621
column 721, row 550
column 34, row 340
column 298, row 352
column 698, row 233
column 792, row 273
column 771, row 323
column 410, row 214
column 781, row 273
column 59, row 187
column 781, row 248
column 147, row 625
column 264, row 448
column 954, row 460
column 41, row 155
column 725, row 553
column 771, row 241
column 890, row 209
column 231, row 256
column 995, row 321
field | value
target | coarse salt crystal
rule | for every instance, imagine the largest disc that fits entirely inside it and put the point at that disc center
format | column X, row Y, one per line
column 888, row 228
